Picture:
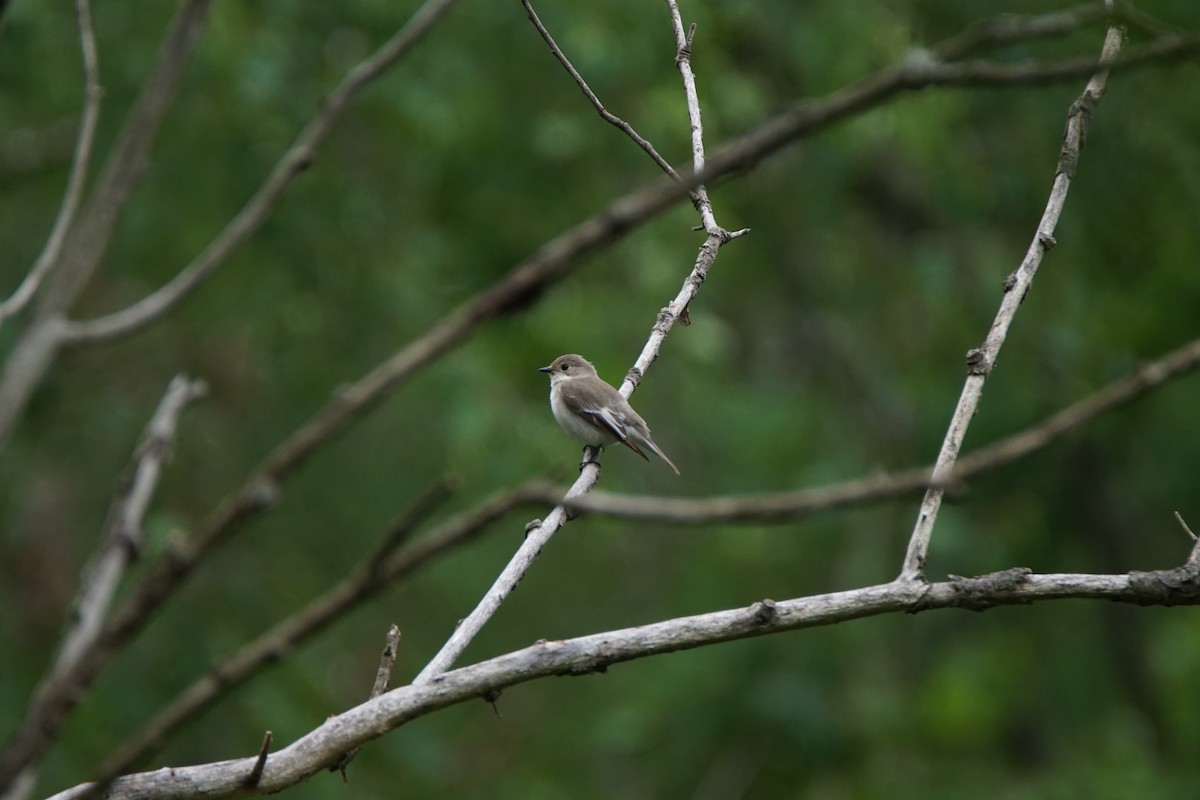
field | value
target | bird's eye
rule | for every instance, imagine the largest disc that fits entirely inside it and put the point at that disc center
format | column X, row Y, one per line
column 566, row 367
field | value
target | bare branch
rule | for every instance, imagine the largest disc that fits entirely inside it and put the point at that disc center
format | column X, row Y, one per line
column 604, row 113
column 123, row 537
column 589, row 473
column 80, row 161
column 244, row 224
column 364, row 582
column 535, row 539
column 387, row 661
column 87, row 241
column 127, row 165
column 120, row 544
column 980, row 361
column 251, row 780
column 924, row 72
column 1011, row 28
column 597, row 652
column 1186, row 529
column 683, row 60
column 781, row 506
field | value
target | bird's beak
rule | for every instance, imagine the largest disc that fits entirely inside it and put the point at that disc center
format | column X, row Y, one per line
column 544, row 369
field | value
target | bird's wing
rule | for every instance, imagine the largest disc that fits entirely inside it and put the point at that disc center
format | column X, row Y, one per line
column 600, row 412
column 615, row 422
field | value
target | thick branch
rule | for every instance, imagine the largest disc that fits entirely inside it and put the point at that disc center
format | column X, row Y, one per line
column 382, row 568
column 595, row 653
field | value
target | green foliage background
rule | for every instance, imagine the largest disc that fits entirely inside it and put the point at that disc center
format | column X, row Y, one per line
column 826, row 345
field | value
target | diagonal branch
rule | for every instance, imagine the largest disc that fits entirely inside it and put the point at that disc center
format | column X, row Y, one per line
column 683, row 60
column 539, row 536
column 80, row 161
column 781, row 506
column 382, row 568
column 981, row 360
column 123, row 537
column 247, row 221
column 604, row 113
column 119, row 546
column 597, row 652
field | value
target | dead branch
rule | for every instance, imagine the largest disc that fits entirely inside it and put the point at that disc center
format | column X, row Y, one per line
column 595, row 653
column 80, row 161
column 981, row 360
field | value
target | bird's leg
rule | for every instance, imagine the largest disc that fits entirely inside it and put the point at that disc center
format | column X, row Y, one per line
column 590, row 454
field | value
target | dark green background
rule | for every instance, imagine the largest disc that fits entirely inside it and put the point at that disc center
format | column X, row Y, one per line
column 826, row 345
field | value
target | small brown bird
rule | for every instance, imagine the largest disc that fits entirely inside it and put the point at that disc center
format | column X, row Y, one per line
column 594, row 413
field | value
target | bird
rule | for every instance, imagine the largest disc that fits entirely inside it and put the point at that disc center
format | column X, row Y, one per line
column 592, row 412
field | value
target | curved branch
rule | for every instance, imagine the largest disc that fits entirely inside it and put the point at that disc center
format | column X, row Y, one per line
column 597, row 652
column 80, row 161
column 244, row 224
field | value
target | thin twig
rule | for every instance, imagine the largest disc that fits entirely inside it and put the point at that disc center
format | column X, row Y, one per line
column 599, row 651
column 1012, row 28
column 980, row 361
column 683, row 60
column 80, row 161
column 604, row 113
column 1186, row 529
column 781, row 506
column 383, row 675
column 251, row 780
column 1193, row 559
column 417, row 513
column 298, row 157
